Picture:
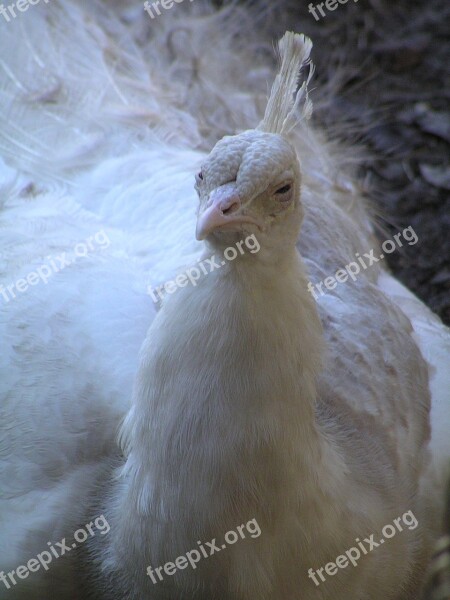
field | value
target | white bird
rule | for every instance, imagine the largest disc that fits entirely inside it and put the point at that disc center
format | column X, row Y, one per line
column 250, row 401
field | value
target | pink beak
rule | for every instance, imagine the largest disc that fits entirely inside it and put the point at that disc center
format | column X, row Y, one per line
column 221, row 210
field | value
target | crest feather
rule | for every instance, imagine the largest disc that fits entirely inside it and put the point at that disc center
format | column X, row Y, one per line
column 281, row 114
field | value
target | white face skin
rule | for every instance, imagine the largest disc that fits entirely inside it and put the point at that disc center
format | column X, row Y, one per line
column 250, row 184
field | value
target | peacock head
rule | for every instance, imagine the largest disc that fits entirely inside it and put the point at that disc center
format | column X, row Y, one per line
column 250, row 183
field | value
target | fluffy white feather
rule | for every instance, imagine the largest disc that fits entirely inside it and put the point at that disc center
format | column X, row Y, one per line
column 108, row 139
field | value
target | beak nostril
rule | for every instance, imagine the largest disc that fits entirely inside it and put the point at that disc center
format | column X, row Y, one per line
column 230, row 209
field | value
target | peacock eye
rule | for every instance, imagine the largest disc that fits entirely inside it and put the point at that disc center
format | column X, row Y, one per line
column 284, row 189
column 199, row 176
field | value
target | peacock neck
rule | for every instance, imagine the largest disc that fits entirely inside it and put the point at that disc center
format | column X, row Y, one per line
column 222, row 426
column 241, row 348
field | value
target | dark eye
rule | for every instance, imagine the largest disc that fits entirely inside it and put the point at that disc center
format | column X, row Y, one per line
column 284, row 189
column 200, row 176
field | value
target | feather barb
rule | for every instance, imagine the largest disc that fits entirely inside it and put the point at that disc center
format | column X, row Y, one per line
column 282, row 112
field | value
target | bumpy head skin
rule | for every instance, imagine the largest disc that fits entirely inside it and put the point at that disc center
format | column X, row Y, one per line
column 250, row 184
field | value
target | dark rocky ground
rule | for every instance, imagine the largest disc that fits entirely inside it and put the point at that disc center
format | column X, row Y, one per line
column 392, row 61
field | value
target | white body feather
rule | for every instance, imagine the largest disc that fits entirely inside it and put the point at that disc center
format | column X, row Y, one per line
column 121, row 136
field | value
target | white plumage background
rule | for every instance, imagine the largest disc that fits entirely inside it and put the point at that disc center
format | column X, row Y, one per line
column 106, row 116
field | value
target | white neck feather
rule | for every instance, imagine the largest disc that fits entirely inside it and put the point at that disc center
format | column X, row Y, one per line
column 222, row 427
